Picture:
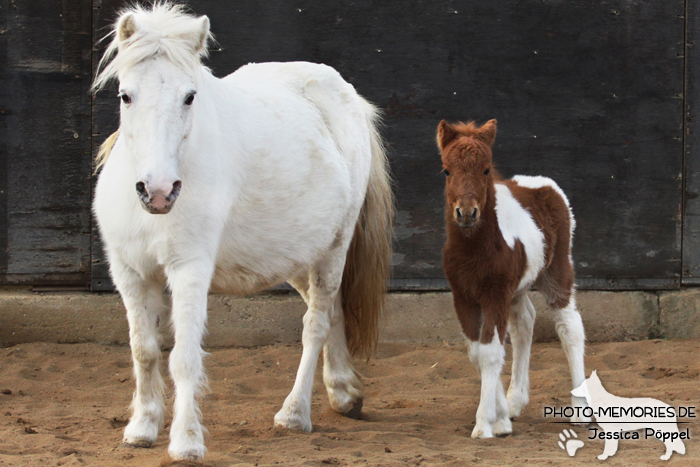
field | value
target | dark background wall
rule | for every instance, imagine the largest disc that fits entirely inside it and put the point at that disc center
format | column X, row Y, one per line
column 597, row 95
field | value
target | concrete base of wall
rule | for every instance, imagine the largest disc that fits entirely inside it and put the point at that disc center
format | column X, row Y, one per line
column 414, row 318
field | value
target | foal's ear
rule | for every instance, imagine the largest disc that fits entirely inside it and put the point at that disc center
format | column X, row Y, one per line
column 487, row 133
column 126, row 26
column 445, row 134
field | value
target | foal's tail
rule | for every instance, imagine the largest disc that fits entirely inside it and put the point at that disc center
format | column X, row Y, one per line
column 368, row 262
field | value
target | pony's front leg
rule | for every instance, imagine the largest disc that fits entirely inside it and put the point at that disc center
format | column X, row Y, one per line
column 520, row 328
column 189, row 284
column 324, row 284
column 144, row 303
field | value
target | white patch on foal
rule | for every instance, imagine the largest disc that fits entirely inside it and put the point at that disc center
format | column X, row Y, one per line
column 540, row 181
column 516, row 223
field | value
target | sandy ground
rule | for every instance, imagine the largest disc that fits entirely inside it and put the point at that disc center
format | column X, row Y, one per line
column 68, row 406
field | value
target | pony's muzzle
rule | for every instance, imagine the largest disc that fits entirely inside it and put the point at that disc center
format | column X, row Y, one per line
column 158, row 199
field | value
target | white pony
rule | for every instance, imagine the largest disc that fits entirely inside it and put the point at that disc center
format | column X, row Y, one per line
column 276, row 172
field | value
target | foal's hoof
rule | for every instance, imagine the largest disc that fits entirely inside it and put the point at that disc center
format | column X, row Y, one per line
column 581, row 421
column 480, row 432
column 137, row 443
column 356, row 411
column 503, row 428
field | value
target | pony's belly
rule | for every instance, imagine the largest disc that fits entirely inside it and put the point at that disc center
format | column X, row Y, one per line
column 240, row 280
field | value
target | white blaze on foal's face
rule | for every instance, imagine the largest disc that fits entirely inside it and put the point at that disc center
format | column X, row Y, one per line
column 157, row 98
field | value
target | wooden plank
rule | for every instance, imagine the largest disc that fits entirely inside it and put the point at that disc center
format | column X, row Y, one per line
column 691, row 208
column 45, row 205
column 588, row 93
column 4, row 149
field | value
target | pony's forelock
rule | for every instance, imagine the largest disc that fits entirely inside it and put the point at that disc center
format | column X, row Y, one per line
column 163, row 28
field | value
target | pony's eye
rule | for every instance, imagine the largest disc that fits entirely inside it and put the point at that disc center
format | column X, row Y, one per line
column 447, row 172
column 125, row 98
column 487, row 171
column 189, row 99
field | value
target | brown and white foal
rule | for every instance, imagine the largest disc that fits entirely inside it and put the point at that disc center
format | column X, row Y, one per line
column 503, row 237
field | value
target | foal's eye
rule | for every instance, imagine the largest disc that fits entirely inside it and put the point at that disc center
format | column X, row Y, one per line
column 487, row 171
column 125, row 98
column 447, row 172
column 189, row 99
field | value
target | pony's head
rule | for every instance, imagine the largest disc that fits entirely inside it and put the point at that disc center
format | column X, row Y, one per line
column 466, row 161
column 158, row 65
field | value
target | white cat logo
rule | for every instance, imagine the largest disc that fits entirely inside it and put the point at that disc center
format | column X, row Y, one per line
column 605, row 404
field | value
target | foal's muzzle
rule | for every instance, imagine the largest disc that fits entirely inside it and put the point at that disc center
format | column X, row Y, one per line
column 158, row 199
column 466, row 218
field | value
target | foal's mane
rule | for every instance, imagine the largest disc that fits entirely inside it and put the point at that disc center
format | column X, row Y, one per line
column 165, row 29
column 468, row 138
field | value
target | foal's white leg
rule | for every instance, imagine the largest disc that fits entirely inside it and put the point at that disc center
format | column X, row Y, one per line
column 492, row 414
column 342, row 382
column 324, row 283
column 520, row 326
column 189, row 284
column 570, row 330
column 144, row 303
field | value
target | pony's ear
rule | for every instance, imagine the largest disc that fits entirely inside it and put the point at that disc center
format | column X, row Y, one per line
column 126, row 27
column 202, row 35
column 487, row 133
column 445, row 134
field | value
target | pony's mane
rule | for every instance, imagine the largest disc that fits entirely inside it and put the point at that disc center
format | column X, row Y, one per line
column 164, row 28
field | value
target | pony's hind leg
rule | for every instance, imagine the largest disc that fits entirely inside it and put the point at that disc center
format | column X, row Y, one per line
column 342, row 381
column 569, row 327
column 324, row 284
column 520, row 328
column 189, row 284
column 144, row 303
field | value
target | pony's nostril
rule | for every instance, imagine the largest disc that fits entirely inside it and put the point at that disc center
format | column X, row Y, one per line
column 141, row 188
column 176, row 190
column 458, row 212
column 475, row 213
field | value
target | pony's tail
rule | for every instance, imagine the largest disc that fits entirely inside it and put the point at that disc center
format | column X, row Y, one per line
column 105, row 149
column 368, row 262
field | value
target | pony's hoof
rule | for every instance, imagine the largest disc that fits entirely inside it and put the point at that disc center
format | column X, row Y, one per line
column 292, row 422
column 168, row 461
column 186, row 458
column 356, row 411
column 137, row 443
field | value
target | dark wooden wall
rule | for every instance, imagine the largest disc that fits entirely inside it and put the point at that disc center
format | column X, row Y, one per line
column 45, row 138
column 597, row 95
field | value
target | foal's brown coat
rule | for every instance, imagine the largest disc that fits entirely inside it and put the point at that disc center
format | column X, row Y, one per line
column 484, row 272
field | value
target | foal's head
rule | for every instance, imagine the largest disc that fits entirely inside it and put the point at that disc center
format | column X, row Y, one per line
column 466, row 160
